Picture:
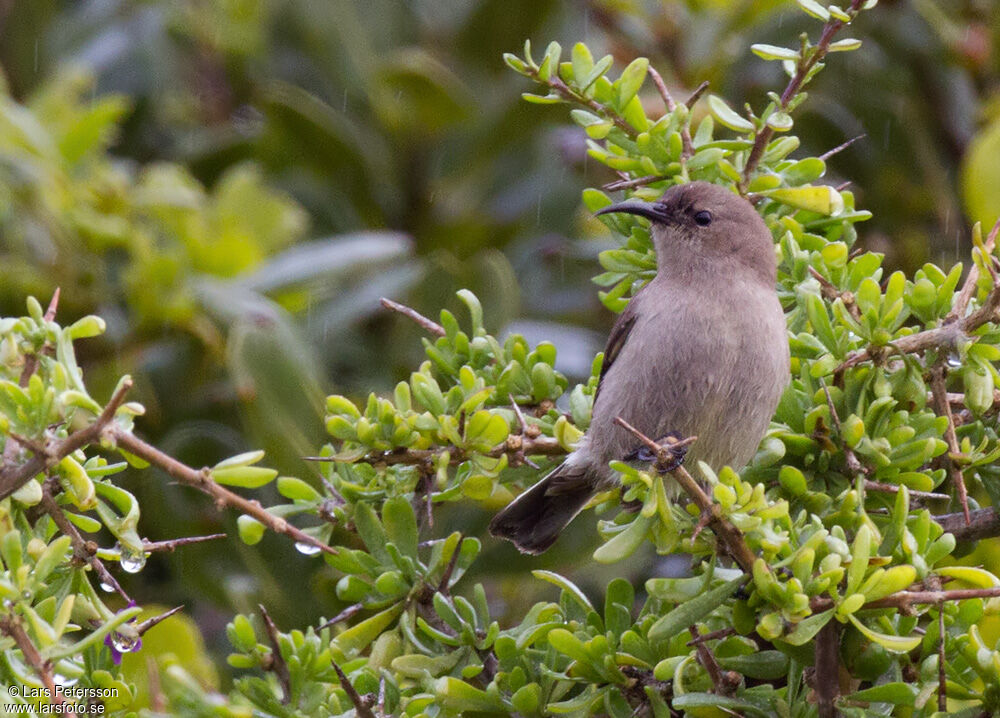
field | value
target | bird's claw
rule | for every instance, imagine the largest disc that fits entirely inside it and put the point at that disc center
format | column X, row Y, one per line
column 667, row 460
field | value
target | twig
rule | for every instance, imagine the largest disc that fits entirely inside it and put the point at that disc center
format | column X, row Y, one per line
column 157, row 701
column 30, row 365
column 173, row 544
column 830, row 291
column 725, row 682
column 278, row 664
column 914, row 494
column 946, row 335
column 943, row 408
column 696, row 95
column 852, row 460
column 11, row 626
column 556, row 83
column 203, row 481
column 141, row 628
column 631, row 183
column 81, row 550
column 841, row 147
column 982, row 524
column 343, row 615
column 969, row 288
column 450, row 569
column 942, row 675
column 668, row 101
column 361, row 707
column 14, row 477
column 826, row 683
column 428, row 324
column 538, row 446
column 729, row 536
column 711, row 636
column 805, row 65
column 905, row 600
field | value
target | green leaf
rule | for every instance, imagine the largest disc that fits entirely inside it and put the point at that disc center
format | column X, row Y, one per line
column 401, row 525
column 848, row 43
column 807, row 628
column 727, row 116
column 459, row 696
column 898, row 693
column 247, row 477
column 820, row 199
column 356, row 638
column 813, row 8
column 693, row 610
column 895, row 644
column 631, row 80
column 763, row 665
column 711, row 700
column 566, row 585
column 624, row 544
column 773, row 52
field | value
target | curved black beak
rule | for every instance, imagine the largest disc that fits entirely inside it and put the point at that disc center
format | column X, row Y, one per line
column 653, row 211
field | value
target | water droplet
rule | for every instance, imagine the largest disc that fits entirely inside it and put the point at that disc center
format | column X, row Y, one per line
column 124, row 642
column 131, row 561
column 107, row 588
column 954, row 361
column 306, row 549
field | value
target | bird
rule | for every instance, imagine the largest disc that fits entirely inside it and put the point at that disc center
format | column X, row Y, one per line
column 701, row 350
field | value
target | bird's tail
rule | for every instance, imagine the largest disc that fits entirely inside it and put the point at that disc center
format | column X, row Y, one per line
column 534, row 520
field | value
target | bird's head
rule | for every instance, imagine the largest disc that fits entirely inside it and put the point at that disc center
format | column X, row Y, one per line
column 705, row 221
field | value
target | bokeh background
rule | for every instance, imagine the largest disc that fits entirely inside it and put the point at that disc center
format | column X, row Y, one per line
column 233, row 184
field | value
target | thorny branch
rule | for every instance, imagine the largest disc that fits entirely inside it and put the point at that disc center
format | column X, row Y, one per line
column 277, row 662
column 11, row 626
column 202, row 480
column 83, row 551
column 730, row 537
column 805, row 66
column 14, row 476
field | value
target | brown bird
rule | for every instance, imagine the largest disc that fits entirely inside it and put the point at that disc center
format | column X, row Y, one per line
column 700, row 351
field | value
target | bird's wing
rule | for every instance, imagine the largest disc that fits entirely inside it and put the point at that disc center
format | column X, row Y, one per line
column 619, row 335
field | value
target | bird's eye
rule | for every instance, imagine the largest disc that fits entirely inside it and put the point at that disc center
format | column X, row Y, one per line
column 703, row 218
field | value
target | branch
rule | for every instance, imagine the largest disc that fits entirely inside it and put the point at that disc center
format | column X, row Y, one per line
column 429, row 324
column 943, row 408
column 841, row 147
column 668, row 101
column 141, row 628
column 11, row 626
column 826, row 683
column 516, row 443
column 83, row 551
column 725, row 683
column 981, row 524
column 945, row 335
column 805, row 65
column 203, row 481
column 969, row 288
column 905, row 600
column 278, row 664
column 729, row 536
column 173, row 544
column 361, row 708
column 13, row 477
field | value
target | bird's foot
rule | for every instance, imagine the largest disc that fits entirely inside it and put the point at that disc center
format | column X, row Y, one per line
column 632, row 507
column 674, row 454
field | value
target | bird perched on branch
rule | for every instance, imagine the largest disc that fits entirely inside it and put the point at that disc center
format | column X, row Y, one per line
column 700, row 351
